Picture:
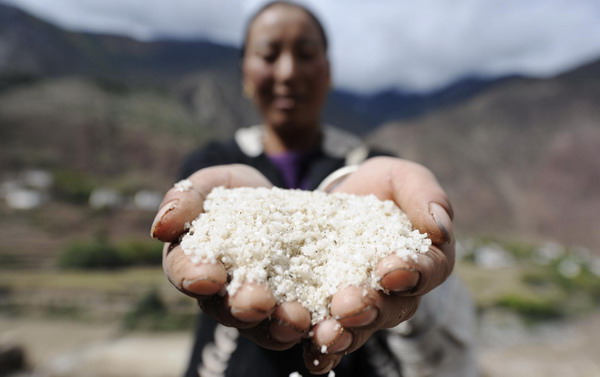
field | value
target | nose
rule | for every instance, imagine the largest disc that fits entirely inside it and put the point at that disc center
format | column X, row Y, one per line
column 286, row 68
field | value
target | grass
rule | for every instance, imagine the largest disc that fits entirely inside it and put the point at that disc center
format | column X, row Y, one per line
column 123, row 280
column 143, row 298
column 535, row 289
column 138, row 298
column 151, row 313
column 487, row 286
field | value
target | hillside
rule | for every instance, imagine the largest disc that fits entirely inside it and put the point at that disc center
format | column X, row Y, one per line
column 32, row 49
column 518, row 156
column 95, row 102
column 521, row 158
column 200, row 76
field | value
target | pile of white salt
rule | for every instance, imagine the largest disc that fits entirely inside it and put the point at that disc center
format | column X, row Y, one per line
column 305, row 245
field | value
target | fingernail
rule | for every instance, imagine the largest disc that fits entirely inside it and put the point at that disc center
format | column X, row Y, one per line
column 202, row 286
column 327, row 367
column 361, row 318
column 442, row 220
column 169, row 206
column 401, row 279
column 341, row 343
column 322, row 365
column 284, row 332
column 250, row 315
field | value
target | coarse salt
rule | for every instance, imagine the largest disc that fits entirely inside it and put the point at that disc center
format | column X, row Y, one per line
column 305, row 245
column 183, row 185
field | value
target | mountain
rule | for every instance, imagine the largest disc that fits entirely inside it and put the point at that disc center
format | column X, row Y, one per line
column 518, row 156
column 393, row 104
column 521, row 158
column 32, row 49
column 99, row 88
column 65, row 94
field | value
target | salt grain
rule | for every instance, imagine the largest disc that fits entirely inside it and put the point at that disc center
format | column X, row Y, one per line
column 183, row 185
column 305, row 245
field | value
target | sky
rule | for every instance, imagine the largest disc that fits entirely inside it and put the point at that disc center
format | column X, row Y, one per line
column 410, row 45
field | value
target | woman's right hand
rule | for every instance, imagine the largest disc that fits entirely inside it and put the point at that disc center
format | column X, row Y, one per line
column 253, row 308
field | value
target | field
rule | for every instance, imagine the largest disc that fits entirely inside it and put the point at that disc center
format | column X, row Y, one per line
column 69, row 313
column 78, row 323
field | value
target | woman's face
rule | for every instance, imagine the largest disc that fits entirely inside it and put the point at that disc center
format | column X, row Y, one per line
column 285, row 67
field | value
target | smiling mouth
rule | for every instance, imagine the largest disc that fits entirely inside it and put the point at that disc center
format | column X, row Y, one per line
column 285, row 102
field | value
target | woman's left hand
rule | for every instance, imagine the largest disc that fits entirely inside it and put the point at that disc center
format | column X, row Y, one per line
column 356, row 315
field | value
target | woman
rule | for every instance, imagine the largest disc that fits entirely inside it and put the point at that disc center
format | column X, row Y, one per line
column 286, row 73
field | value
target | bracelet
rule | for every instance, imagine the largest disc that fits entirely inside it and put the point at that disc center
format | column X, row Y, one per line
column 335, row 178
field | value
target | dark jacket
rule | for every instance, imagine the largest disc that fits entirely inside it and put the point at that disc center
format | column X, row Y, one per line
column 337, row 150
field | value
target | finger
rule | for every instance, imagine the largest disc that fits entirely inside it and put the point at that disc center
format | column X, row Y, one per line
column 318, row 362
column 182, row 205
column 217, row 307
column 393, row 310
column 362, row 311
column 412, row 187
column 364, row 307
column 228, row 176
column 416, row 277
column 416, row 191
column 434, row 267
column 252, row 302
column 354, row 306
column 196, row 280
column 177, row 209
column 397, row 274
column 289, row 322
column 259, row 334
column 331, row 337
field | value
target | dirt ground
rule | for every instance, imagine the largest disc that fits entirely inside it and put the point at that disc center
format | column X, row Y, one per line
column 568, row 350
column 70, row 349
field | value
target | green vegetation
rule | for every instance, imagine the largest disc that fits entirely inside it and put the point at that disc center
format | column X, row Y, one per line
column 103, row 254
column 119, row 282
column 141, row 299
column 136, row 252
column 532, row 309
column 151, row 313
column 73, row 186
column 521, row 250
column 98, row 254
column 128, row 184
column 543, row 282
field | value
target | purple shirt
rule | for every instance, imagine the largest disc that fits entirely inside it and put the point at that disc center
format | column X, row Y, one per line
column 291, row 166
